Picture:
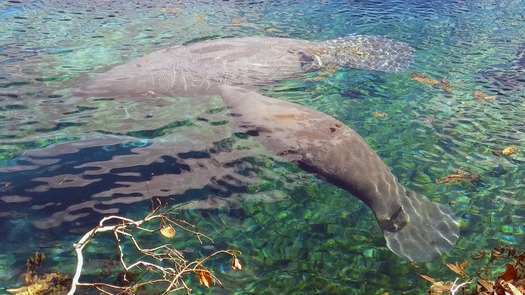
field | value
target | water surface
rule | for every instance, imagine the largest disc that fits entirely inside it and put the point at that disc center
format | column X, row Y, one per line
column 66, row 162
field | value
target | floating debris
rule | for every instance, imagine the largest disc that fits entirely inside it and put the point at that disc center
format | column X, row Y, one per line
column 379, row 114
column 237, row 21
column 430, row 120
column 458, row 268
column 437, row 287
column 481, row 95
column 421, row 78
column 459, row 176
column 446, row 86
column 490, row 279
column 174, row 10
column 200, row 17
column 236, row 264
column 168, row 231
column 512, row 149
column 205, row 278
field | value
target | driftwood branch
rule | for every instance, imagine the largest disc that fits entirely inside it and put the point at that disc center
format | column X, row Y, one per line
column 172, row 277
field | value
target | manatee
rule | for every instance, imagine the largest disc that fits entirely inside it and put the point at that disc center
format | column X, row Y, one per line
column 414, row 227
column 200, row 68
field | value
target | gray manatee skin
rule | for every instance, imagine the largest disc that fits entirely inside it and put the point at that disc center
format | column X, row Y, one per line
column 200, row 68
column 414, row 227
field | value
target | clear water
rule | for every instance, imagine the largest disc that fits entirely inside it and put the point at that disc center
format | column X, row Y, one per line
column 66, row 163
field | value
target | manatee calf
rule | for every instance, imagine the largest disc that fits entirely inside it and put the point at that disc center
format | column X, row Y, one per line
column 200, row 68
column 414, row 227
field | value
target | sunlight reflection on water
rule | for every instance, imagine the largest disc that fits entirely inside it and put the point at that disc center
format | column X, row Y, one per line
column 65, row 162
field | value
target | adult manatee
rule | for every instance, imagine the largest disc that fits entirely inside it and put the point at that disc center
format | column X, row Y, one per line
column 414, row 227
column 200, row 68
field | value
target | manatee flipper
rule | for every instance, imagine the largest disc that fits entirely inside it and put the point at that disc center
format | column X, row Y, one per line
column 414, row 227
column 431, row 229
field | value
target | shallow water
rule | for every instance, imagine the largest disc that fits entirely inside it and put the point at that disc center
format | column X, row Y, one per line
column 67, row 162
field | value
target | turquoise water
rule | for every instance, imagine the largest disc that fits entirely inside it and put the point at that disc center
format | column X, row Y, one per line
column 65, row 163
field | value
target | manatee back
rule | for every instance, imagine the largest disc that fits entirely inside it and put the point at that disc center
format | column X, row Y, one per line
column 414, row 227
column 200, row 67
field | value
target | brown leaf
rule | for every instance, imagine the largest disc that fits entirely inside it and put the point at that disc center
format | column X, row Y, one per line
column 437, row 288
column 236, row 264
column 496, row 153
column 481, row 95
column 205, row 277
column 168, row 231
column 520, row 282
column 446, row 86
column 379, row 114
column 455, row 177
column 458, row 268
column 488, row 286
column 428, row 278
column 440, row 287
column 510, row 273
column 510, row 150
column 514, row 290
column 421, row 78
column 479, row 255
column 174, row 10
column 237, row 21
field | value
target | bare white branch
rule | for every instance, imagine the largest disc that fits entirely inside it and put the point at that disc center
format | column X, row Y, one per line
column 173, row 277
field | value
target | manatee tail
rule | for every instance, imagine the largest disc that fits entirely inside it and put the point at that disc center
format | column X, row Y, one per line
column 376, row 53
column 431, row 230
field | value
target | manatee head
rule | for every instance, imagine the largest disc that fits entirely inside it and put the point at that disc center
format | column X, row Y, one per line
column 376, row 53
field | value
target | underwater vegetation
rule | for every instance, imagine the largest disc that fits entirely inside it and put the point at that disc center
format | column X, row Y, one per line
column 39, row 282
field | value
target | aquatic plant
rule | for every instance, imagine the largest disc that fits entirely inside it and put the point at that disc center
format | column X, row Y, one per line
column 41, row 283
